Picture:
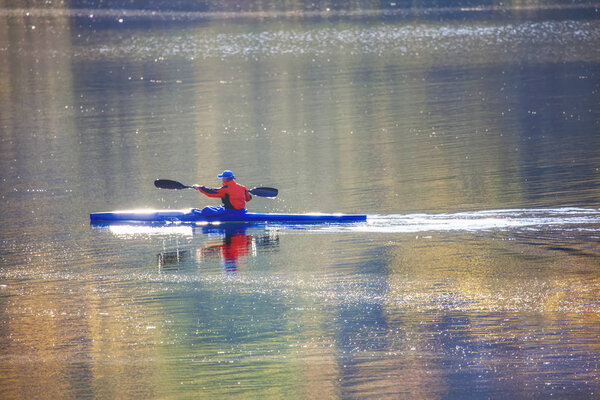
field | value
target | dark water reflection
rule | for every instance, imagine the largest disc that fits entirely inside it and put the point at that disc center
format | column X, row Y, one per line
column 471, row 142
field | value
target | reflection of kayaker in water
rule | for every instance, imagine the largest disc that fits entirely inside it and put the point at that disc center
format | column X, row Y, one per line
column 235, row 245
column 233, row 195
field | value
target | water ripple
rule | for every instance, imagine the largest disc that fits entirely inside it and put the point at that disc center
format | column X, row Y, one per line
column 450, row 41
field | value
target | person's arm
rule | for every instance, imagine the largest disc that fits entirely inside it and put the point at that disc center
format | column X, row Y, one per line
column 210, row 192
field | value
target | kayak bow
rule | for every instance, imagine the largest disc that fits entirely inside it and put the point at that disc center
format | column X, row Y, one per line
column 194, row 215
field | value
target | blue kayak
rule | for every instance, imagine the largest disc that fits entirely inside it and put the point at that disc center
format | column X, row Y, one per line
column 194, row 215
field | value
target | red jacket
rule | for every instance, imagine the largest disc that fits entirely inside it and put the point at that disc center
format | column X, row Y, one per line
column 233, row 195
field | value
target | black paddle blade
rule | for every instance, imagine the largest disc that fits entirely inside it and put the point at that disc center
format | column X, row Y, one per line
column 264, row 191
column 169, row 184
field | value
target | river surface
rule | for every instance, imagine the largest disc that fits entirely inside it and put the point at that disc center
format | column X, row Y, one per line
column 471, row 139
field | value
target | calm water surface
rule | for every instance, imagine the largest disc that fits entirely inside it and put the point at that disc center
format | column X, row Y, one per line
column 472, row 142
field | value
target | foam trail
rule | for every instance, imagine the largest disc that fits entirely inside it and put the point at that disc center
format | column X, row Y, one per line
column 564, row 219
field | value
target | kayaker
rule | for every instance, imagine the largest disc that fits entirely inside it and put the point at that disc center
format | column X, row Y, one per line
column 233, row 195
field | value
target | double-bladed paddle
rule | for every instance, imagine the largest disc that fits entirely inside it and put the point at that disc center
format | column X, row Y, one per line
column 169, row 184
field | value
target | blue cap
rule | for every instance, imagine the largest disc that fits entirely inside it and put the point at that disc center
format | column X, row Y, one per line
column 227, row 174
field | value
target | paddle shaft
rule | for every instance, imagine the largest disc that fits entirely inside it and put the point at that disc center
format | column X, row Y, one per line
column 170, row 184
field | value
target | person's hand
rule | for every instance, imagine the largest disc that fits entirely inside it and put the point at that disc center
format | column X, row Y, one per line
column 197, row 187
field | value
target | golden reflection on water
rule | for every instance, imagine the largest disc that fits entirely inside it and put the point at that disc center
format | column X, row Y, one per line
column 441, row 306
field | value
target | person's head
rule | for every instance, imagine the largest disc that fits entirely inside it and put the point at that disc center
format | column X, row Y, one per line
column 227, row 176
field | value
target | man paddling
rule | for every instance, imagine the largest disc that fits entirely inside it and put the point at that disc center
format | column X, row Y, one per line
column 233, row 195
